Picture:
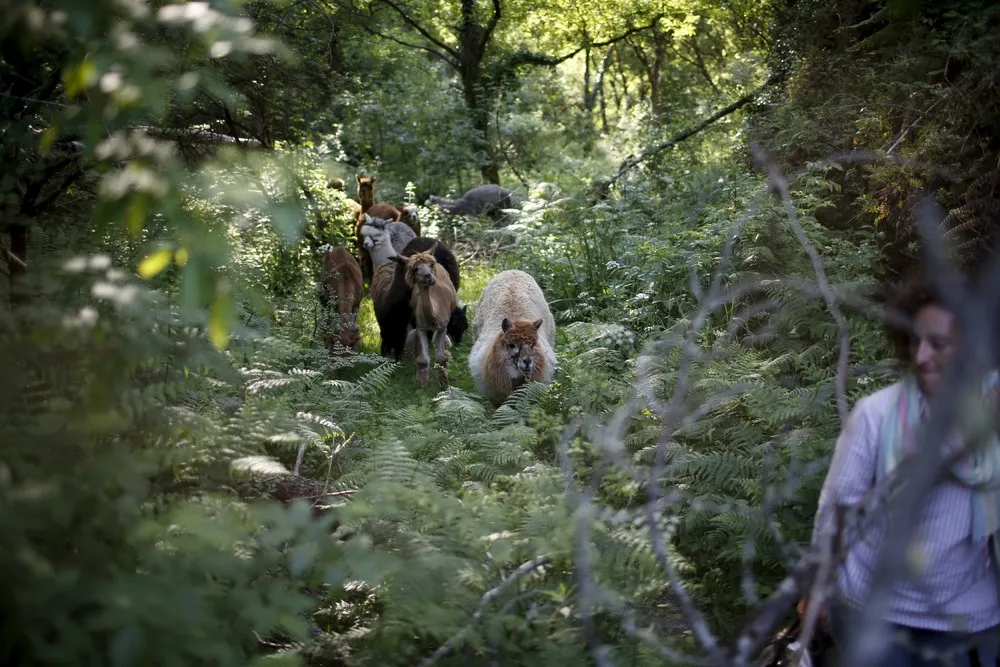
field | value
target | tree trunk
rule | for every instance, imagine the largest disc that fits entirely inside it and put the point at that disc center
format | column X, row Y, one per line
column 477, row 97
column 655, row 70
column 477, row 106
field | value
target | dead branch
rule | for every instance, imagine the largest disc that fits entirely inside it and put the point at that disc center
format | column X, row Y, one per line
column 781, row 185
column 490, row 595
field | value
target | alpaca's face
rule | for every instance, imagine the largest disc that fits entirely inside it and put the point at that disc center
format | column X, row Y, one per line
column 520, row 339
column 423, row 271
column 350, row 336
column 519, row 356
column 345, row 331
column 374, row 234
column 374, row 239
column 366, row 191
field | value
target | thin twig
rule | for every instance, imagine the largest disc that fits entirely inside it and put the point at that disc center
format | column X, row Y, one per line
column 490, row 595
column 781, row 185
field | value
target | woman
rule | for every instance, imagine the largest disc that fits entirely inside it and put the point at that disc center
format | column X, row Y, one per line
column 954, row 602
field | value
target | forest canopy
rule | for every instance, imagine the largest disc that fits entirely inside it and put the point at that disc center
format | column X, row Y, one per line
column 711, row 196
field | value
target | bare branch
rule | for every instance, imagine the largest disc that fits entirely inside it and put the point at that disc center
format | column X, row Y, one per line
column 582, row 572
column 781, row 185
column 490, row 595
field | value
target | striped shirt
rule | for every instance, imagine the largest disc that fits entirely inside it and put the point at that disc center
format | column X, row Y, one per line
column 958, row 587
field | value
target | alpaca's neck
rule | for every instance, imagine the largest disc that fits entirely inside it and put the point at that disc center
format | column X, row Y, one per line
column 448, row 204
column 382, row 253
column 424, row 308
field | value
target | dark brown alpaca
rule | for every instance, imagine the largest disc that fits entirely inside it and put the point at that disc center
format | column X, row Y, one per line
column 341, row 282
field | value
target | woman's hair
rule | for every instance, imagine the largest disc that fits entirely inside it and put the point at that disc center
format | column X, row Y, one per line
column 903, row 300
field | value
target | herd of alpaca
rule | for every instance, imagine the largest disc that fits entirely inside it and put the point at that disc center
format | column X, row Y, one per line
column 413, row 284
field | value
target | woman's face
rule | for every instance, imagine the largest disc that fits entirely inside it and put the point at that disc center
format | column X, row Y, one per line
column 933, row 345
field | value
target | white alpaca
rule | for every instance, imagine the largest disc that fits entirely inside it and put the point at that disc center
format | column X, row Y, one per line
column 384, row 239
column 515, row 336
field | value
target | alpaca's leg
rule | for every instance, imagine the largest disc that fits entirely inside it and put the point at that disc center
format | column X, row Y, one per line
column 442, row 347
column 442, row 355
column 410, row 345
column 423, row 359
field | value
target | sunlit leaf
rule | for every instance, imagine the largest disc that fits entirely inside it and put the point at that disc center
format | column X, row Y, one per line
column 190, row 288
column 259, row 464
column 153, row 264
column 79, row 78
column 135, row 215
column 48, row 138
column 219, row 320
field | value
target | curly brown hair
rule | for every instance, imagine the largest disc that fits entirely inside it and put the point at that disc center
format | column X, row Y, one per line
column 903, row 301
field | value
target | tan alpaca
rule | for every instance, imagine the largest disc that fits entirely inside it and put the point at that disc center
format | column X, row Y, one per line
column 432, row 300
column 515, row 336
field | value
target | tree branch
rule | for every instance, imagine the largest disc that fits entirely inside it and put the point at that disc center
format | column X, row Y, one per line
column 721, row 113
column 423, row 31
column 490, row 596
column 701, row 65
column 491, row 26
column 531, row 58
column 437, row 54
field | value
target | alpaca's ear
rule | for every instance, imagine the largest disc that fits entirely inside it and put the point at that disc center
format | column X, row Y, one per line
column 373, row 180
column 358, row 176
column 505, row 325
column 537, row 324
column 430, row 251
column 399, row 259
column 368, row 218
column 465, row 309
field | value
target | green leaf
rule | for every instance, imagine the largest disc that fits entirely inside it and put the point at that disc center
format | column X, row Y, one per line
column 219, row 319
column 47, row 139
column 153, row 264
column 191, row 288
column 135, row 215
column 79, row 78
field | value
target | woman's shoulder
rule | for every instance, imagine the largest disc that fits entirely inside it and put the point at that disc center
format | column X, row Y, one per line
column 877, row 403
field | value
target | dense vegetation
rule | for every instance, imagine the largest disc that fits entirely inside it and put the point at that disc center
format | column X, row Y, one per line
column 163, row 200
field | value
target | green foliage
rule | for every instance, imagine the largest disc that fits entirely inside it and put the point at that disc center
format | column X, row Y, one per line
column 122, row 545
column 152, row 420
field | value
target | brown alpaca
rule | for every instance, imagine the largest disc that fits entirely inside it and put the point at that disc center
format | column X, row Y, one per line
column 366, row 195
column 353, row 207
column 432, row 299
column 408, row 216
column 341, row 280
column 366, row 191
